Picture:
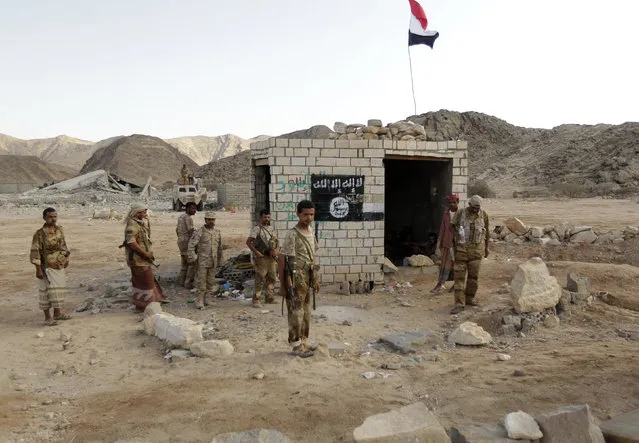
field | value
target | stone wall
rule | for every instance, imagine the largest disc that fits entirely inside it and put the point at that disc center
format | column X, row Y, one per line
column 237, row 195
column 349, row 250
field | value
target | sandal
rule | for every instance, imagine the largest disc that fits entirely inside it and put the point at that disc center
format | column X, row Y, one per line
column 50, row 323
column 62, row 316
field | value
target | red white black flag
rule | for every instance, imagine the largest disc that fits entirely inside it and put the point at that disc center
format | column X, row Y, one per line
column 418, row 34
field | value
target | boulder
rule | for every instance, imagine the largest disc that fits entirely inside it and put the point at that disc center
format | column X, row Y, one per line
column 583, row 237
column 563, row 231
column 409, row 424
column 514, row 320
column 419, row 261
column 482, row 433
column 252, row 436
column 515, row 225
column 572, row 424
column 152, row 309
column 553, row 242
column 622, row 429
column 375, row 122
column 178, row 332
column 536, row 232
column 388, row 267
column 409, row 342
column 533, row 289
column 212, row 348
column 339, row 127
column 104, row 214
column 470, row 334
column 520, row 425
column 551, row 321
column 511, row 237
column 578, row 283
column 578, row 229
column 542, row 241
column 149, row 326
column 630, row 231
column 504, row 232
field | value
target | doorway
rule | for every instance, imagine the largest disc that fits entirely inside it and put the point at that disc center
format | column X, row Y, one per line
column 262, row 200
column 414, row 203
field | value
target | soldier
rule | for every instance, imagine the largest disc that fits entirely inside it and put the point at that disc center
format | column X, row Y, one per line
column 184, row 231
column 471, row 227
column 262, row 241
column 299, row 276
column 140, row 258
column 445, row 244
column 50, row 256
column 205, row 248
column 184, row 172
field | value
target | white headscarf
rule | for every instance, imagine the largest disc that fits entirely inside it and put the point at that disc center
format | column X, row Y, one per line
column 135, row 208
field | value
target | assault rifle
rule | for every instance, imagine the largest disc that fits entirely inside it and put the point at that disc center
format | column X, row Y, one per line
column 130, row 251
column 289, row 282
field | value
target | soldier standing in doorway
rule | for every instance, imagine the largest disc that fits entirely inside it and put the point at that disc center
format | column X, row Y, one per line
column 471, row 227
column 263, row 243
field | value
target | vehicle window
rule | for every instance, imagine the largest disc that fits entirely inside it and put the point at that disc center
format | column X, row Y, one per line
column 182, row 190
column 191, row 189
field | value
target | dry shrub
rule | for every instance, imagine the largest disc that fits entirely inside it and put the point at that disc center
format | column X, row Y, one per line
column 572, row 190
column 481, row 188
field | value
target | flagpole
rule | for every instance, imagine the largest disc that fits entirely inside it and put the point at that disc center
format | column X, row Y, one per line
column 412, row 83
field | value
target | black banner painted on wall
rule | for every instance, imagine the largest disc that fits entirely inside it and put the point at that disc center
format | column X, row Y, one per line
column 338, row 197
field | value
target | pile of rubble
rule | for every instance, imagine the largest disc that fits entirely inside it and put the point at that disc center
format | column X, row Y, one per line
column 237, row 269
column 375, row 130
column 515, row 231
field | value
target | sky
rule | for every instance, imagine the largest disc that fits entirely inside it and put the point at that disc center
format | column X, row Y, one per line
column 172, row 68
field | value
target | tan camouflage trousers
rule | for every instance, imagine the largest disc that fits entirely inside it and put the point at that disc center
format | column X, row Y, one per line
column 204, row 284
column 265, row 274
column 466, row 272
column 187, row 272
column 299, row 316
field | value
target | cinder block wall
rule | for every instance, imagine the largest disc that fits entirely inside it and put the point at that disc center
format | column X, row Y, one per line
column 349, row 250
column 238, row 194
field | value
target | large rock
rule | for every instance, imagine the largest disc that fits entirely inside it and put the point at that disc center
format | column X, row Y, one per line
column 470, row 334
column 533, row 289
column 178, row 332
column 388, row 266
column 482, row 433
column 252, row 436
column 572, row 424
column 578, row 283
column 152, row 309
column 536, row 232
column 520, row 425
column 515, row 225
column 622, row 429
column 412, row 423
column 408, row 342
column 339, row 127
column 212, row 348
column 584, row 237
column 419, row 261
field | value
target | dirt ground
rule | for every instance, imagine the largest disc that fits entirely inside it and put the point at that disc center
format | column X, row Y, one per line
column 113, row 382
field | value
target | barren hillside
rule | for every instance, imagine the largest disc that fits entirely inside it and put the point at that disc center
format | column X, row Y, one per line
column 203, row 149
column 597, row 159
column 30, row 169
column 62, row 150
column 137, row 157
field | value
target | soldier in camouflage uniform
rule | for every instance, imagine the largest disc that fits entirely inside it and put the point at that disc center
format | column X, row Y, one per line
column 299, row 250
column 471, row 227
column 205, row 248
column 50, row 255
column 184, row 231
column 262, row 241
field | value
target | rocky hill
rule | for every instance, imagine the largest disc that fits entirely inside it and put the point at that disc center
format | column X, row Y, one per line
column 575, row 159
column 203, row 149
column 30, row 169
column 136, row 157
column 62, row 150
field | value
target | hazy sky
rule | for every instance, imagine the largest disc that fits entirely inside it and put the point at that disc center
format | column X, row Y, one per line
column 95, row 69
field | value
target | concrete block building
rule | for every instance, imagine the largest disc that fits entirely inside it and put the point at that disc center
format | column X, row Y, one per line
column 374, row 198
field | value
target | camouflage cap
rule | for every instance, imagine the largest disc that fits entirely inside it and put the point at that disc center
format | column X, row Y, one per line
column 475, row 201
column 209, row 215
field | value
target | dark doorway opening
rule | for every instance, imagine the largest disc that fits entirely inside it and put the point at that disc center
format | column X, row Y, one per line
column 262, row 181
column 414, row 203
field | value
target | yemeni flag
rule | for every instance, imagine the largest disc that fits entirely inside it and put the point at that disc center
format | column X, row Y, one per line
column 418, row 34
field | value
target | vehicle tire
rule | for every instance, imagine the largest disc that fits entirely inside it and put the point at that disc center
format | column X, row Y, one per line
column 200, row 206
column 178, row 205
